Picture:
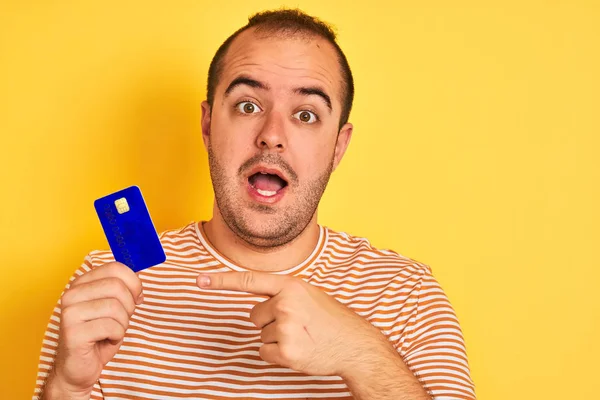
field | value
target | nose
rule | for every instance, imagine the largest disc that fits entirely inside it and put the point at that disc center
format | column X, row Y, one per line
column 272, row 134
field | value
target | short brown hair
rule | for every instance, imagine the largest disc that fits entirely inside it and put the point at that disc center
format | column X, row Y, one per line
column 291, row 22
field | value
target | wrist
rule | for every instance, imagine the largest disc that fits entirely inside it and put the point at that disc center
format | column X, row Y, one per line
column 56, row 389
column 382, row 370
column 368, row 356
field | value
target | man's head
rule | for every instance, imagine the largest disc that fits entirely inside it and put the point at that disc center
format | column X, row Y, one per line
column 275, row 124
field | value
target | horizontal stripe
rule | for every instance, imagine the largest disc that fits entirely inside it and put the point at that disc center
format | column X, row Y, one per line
column 197, row 371
column 165, row 378
column 115, row 391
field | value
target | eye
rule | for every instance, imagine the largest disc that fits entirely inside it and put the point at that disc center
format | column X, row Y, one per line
column 308, row 117
column 247, row 107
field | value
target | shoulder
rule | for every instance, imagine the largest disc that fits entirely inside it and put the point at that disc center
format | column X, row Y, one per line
column 350, row 260
column 184, row 233
column 359, row 250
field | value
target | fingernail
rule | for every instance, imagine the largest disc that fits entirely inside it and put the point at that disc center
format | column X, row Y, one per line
column 203, row 280
column 140, row 298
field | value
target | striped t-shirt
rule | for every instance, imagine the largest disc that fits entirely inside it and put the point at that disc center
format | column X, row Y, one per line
column 187, row 343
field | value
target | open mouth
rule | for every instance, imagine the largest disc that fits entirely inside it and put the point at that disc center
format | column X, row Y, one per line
column 267, row 184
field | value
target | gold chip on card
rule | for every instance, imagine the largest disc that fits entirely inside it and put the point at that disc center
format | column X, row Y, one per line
column 122, row 205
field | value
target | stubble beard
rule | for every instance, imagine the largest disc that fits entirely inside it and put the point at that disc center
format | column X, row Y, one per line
column 284, row 223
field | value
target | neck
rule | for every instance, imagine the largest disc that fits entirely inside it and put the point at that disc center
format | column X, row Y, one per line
column 267, row 259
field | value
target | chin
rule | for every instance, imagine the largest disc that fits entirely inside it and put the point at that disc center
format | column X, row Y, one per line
column 264, row 230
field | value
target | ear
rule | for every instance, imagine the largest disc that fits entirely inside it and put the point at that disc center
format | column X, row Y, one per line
column 206, row 123
column 343, row 140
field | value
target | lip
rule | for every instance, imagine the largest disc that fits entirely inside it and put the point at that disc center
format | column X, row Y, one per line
column 268, row 170
column 265, row 199
column 255, row 195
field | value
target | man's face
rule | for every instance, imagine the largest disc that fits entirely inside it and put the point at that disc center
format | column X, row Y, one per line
column 272, row 134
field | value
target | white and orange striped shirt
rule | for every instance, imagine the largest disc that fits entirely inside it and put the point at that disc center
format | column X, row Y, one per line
column 183, row 342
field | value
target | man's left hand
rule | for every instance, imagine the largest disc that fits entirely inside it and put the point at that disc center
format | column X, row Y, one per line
column 302, row 327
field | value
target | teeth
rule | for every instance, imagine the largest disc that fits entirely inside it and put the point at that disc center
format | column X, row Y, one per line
column 266, row 192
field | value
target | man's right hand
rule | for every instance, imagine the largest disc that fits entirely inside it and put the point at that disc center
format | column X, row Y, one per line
column 95, row 313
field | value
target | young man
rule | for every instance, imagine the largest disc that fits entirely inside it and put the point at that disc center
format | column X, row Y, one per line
column 261, row 301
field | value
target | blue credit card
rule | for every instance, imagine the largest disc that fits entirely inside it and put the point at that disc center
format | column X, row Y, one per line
column 129, row 229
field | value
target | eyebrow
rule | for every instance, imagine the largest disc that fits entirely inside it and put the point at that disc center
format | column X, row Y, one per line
column 315, row 91
column 253, row 83
column 245, row 80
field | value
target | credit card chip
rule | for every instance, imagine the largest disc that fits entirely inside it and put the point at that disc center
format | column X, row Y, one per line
column 122, row 205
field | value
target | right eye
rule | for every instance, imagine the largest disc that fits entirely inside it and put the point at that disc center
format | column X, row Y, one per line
column 247, row 107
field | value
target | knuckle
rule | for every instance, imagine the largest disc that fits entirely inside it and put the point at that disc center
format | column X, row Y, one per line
column 119, row 329
column 284, row 329
column 113, row 267
column 77, row 280
column 67, row 297
column 253, row 315
column 116, row 268
column 281, row 307
column 113, row 305
column 66, row 315
column 262, row 352
column 117, row 285
column 112, row 328
column 247, row 281
column 288, row 353
column 111, row 264
column 263, row 336
column 266, row 355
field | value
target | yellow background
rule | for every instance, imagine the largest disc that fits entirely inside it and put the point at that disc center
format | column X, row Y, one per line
column 475, row 151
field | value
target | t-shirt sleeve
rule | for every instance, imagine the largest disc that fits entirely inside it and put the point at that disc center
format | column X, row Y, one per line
column 433, row 346
column 50, row 341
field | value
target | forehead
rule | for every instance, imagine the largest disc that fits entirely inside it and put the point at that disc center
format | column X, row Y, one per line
column 283, row 60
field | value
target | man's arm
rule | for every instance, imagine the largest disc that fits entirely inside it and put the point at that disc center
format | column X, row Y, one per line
column 427, row 360
column 431, row 344
column 381, row 374
column 86, row 330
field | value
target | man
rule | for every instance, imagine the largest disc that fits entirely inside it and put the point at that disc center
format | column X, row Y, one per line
column 261, row 301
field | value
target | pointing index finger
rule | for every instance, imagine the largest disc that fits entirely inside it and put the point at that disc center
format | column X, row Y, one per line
column 248, row 281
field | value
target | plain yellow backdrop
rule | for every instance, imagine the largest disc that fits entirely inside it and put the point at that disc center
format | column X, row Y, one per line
column 475, row 151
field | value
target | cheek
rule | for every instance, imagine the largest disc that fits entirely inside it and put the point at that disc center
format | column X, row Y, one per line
column 230, row 137
column 311, row 159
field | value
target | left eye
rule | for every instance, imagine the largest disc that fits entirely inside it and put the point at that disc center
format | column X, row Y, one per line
column 307, row 117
